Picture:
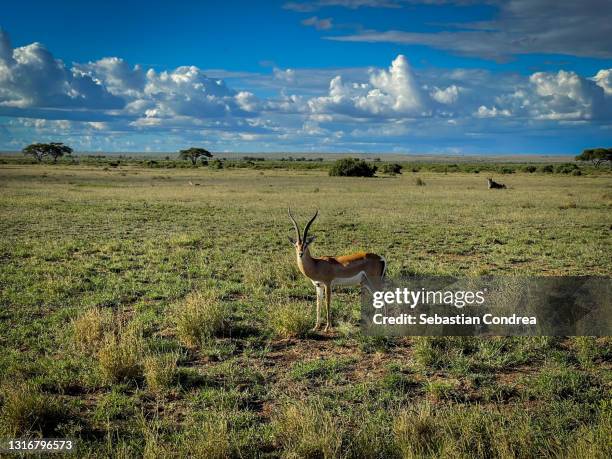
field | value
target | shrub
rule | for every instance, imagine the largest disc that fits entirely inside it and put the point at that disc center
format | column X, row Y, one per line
column 530, row 169
column 199, row 318
column 119, row 357
column 576, row 172
column 566, row 168
column 291, row 319
column 391, row 168
column 350, row 167
column 419, row 182
column 90, row 327
column 160, row 371
column 548, row 169
column 216, row 164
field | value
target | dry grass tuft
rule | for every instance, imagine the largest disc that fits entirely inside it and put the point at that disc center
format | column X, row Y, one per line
column 26, row 410
column 209, row 439
column 119, row 357
column 200, row 317
column 291, row 319
column 308, row 430
column 89, row 328
column 160, row 371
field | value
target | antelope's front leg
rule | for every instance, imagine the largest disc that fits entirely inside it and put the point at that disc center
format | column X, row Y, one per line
column 328, row 326
column 319, row 298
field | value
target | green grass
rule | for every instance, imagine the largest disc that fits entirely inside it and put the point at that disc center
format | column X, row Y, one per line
column 145, row 316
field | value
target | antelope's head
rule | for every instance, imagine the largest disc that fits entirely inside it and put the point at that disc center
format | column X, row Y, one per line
column 301, row 242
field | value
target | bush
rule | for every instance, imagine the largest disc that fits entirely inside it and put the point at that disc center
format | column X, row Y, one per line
column 566, row 168
column 419, row 182
column 200, row 318
column 548, row 169
column 291, row 320
column 350, row 167
column 529, row 169
column 391, row 168
column 216, row 164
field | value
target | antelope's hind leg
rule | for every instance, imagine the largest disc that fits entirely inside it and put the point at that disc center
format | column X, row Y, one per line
column 320, row 294
column 328, row 325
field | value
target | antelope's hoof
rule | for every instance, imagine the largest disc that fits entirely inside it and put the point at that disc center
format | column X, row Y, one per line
column 327, row 328
column 317, row 327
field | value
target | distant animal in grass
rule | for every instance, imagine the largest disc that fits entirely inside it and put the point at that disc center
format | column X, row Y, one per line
column 193, row 184
column 494, row 185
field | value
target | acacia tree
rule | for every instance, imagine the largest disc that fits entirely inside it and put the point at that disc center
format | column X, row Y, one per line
column 58, row 149
column 194, row 154
column 53, row 149
column 597, row 155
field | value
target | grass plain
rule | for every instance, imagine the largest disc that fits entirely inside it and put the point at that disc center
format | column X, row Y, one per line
column 159, row 312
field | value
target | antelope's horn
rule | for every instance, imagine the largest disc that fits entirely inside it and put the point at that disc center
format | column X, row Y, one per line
column 295, row 225
column 310, row 223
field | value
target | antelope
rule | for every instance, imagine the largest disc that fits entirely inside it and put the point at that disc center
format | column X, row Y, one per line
column 364, row 269
column 493, row 184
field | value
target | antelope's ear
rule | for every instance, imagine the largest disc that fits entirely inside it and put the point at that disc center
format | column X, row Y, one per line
column 291, row 240
column 310, row 239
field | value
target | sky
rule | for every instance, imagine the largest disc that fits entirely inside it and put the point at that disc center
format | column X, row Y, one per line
column 398, row 76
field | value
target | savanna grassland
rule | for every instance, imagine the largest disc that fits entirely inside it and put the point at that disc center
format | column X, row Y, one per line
column 159, row 312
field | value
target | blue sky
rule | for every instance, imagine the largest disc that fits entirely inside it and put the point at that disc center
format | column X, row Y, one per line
column 420, row 76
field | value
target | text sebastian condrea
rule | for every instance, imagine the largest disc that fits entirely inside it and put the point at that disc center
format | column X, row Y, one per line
column 460, row 319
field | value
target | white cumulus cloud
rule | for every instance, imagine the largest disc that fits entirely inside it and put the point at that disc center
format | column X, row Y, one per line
column 603, row 78
column 31, row 77
column 567, row 95
column 389, row 93
column 447, row 95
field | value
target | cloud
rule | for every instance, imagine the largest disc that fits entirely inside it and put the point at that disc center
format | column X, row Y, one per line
column 522, row 27
column 389, row 93
column 30, row 77
column 567, row 96
column 446, row 96
column 186, row 91
column 493, row 112
column 319, row 24
column 116, row 75
column 603, row 78
column 109, row 104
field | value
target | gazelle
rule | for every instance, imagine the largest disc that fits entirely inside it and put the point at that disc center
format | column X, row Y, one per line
column 492, row 184
column 365, row 269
